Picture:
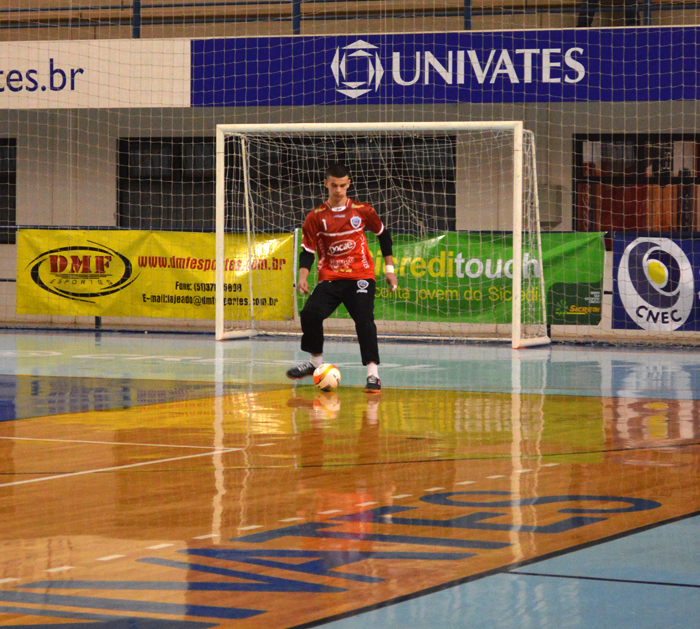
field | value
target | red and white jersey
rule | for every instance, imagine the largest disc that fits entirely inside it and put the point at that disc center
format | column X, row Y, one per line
column 337, row 236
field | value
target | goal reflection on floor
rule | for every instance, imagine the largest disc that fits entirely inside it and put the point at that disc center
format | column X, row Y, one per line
column 211, row 504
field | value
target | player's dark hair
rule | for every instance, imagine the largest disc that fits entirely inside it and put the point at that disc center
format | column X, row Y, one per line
column 338, row 170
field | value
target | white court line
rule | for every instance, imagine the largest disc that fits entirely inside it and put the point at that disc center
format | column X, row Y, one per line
column 107, row 443
column 119, row 467
column 159, row 546
column 291, row 520
column 110, row 557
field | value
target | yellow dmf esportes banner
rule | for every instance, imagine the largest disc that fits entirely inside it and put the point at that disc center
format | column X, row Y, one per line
column 114, row 273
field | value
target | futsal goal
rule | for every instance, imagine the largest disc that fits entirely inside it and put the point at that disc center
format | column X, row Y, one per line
column 460, row 199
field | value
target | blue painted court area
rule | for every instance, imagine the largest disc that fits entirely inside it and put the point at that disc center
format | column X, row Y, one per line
column 555, row 370
column 647, row 580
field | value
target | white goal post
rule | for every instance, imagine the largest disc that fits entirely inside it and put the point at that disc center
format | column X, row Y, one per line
column 467, row 189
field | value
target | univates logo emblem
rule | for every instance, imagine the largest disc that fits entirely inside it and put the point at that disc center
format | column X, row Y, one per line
column 82, row 272
column 345, row 64
column 362, row 286
column 655, row 283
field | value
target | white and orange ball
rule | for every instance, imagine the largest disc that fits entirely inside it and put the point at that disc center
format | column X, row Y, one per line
column 327, row 377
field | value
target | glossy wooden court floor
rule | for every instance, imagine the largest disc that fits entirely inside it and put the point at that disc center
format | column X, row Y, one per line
column 155, row 481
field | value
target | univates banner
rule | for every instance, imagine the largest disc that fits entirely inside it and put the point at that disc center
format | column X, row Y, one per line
column 529, row 66
column 151, row 274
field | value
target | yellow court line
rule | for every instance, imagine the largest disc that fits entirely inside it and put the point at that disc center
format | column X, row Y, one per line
column 120, row 467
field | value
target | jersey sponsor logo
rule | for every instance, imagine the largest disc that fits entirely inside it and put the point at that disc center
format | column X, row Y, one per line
column 341, row 248
column 362, row 286
column 355, row 221
column 342, row 265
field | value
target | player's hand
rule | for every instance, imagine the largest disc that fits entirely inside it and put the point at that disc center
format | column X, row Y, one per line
column 392, row 280
column 303, row 287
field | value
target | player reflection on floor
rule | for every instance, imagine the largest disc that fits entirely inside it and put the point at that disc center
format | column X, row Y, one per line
column 324, row 415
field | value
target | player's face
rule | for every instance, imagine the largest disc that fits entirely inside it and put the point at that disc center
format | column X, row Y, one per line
column 337, row 190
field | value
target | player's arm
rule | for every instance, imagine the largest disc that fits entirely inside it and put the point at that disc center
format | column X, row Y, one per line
column 387, row 246
column 309, row 231
column 306, row 259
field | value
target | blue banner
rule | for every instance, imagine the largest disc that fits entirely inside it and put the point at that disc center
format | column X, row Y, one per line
column 655, row 283
column 587, row 65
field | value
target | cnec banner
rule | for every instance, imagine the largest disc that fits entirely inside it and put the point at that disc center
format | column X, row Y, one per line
column 467, row 277
column 115, row 273
column 654, row 286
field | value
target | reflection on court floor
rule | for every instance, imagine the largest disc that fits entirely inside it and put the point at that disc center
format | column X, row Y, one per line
column 224, row 501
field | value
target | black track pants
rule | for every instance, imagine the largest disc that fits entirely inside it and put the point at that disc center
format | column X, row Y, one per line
column 358, row 298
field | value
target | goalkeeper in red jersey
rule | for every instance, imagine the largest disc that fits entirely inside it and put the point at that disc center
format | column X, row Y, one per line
column 335, row 231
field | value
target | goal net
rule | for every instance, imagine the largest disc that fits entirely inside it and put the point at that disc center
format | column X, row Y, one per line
column 460, row 199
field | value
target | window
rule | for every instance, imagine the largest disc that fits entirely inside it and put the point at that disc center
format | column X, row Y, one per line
column 8, row 191
column 637, row 182
column 166, row 183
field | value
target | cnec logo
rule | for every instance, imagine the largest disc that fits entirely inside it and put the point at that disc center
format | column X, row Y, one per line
column 80, row 272
column 655, row 284
column 374, row 69
column 340, row 248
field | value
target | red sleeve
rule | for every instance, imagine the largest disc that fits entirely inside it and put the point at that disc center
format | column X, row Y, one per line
column 309, row 233
column 372, row 220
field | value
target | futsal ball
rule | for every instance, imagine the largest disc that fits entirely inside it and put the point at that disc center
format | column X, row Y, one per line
column 327, row 377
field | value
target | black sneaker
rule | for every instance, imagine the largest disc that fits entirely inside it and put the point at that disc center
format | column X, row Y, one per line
column 301, row 371
column 374, row 384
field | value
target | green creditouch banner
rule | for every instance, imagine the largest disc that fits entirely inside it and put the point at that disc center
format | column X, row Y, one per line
column 467, row 277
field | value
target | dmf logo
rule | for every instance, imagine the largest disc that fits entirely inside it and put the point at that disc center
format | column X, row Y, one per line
column 82, row 273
